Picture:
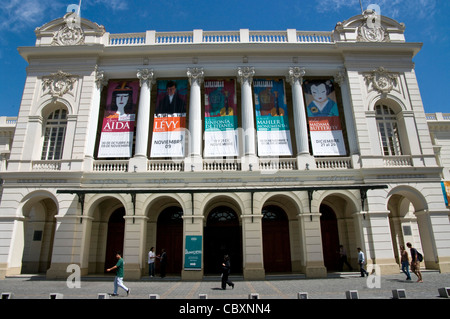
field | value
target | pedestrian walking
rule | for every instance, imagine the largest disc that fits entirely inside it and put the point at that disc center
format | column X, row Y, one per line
column 415, row 262
column 343, row 258
column 361, row 262
column 404, row 258
column 151, row 262
column 118, row 280
column 226, row 269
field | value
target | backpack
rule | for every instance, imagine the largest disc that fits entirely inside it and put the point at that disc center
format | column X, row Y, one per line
column 419, row 257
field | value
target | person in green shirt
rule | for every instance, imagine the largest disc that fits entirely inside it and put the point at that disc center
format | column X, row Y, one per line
column 118, row 280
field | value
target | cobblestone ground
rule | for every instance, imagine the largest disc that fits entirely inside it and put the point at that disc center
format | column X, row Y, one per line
column 36, row 287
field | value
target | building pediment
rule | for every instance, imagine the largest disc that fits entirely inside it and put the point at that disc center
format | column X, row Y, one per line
column 370, row 27
column 69, row 30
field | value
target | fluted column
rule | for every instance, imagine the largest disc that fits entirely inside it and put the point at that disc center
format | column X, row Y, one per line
column 100, row 81
column 304, row 158
column 245, row 78
column 195, row 76
column 146, row 80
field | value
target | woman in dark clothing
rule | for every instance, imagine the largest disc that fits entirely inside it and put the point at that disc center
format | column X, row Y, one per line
column 226, row 272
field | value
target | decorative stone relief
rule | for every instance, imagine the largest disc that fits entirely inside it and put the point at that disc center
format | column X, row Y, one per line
column 71, row 33
column 371, row 30
column 296, row 74
column 145, row 76
column 59, row 83
column 381, row 80
column 100, row 78
column 246, row 74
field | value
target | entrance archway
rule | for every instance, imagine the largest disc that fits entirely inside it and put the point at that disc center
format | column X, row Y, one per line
column 223, row 236
column 330, row 237
column 115, row 237
column 276, row 241
column 169, row 236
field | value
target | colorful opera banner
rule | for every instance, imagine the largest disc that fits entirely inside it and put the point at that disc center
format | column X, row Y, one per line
column 221, row 137
column 272, row 122
column 116, row 139
column 446, row 191
column 323, row 118
column 169, row 124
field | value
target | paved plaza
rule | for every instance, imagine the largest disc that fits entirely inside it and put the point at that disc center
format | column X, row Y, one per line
column 274, row 287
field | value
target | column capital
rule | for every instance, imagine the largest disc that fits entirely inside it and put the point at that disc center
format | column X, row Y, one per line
column 339, row 77
column 245, row 74
column 145, row 76
column 195, row 75
column 100, row 78
column 296, row 74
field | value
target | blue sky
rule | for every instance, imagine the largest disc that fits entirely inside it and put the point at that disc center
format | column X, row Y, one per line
column 426, row 22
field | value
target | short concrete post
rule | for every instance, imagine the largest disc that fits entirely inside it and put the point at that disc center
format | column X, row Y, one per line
column 55, row 295
column 399, row 294
column 352, row 294
column 253, row 296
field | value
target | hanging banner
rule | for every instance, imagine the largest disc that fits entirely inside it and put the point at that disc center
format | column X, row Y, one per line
column 323, row 118
column 221, row 136
column 116, row 139
column 193, row 253
column 446, row 192
column 169, row 121
column 272, row 122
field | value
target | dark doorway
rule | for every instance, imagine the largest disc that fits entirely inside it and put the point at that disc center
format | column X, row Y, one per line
column 114, row 241
column 330, row 238
column 276, row 242
column 223, row 236
column 170, row 237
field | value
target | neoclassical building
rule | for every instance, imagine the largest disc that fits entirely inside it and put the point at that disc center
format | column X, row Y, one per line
column 274, row 147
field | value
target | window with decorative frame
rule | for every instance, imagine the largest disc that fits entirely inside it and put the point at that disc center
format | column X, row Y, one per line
column 388, row 130
column 54, row 134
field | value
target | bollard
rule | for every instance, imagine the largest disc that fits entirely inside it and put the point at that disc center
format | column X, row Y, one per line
column 352, row 294
column 399, row 294
column 302, row 295
column 444, row 292
column 253, row 296
column 153, row 296
column 55, row 295
column 103, row 296
column 7, row 295
column 203, row 296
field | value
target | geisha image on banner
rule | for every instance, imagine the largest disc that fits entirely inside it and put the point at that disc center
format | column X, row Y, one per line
column 272, row 121
column 169, row 122
column 323, row 118
column 116, row 139
column 221, row 136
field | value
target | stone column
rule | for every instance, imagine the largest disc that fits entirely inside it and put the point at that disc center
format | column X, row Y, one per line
column 249, row 159
column 139, row 162
column 193, row 162
column 304, row 158
column 100, row 81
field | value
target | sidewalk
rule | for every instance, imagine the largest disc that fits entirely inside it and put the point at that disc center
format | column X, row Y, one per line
column 274, row 287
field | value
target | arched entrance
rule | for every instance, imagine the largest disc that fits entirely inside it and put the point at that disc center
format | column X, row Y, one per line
column 276, row 241
column 169, row 236
column 330, row 237
column 115, row 237
column 223, row 236
column 39, row 233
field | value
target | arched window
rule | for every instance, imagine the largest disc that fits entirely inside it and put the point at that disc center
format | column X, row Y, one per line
column 54, row 135
column 388, row 130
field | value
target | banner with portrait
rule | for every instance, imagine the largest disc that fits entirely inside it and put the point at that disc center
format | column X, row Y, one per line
column 323, row 118
column 272, row 121
column 116, row 139
column 169, row 122
column 221, row 136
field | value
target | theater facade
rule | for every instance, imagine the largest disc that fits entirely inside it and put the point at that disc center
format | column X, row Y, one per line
column 274, row 147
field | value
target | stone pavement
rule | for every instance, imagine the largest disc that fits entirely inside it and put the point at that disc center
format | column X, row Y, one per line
column 274, row 287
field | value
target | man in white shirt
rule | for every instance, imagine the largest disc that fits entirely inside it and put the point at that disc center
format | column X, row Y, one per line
column 151, row 262
column 361, row 262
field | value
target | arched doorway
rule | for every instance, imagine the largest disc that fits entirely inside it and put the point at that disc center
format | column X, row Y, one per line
column 223, row 236
column 330, row 237
column 169, row 236
column 115, row 237
column 276, row 241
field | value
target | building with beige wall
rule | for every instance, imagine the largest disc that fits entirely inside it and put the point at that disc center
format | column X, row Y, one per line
column 81, row 181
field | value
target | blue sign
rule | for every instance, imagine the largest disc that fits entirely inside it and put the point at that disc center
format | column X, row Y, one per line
column 193, row 253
